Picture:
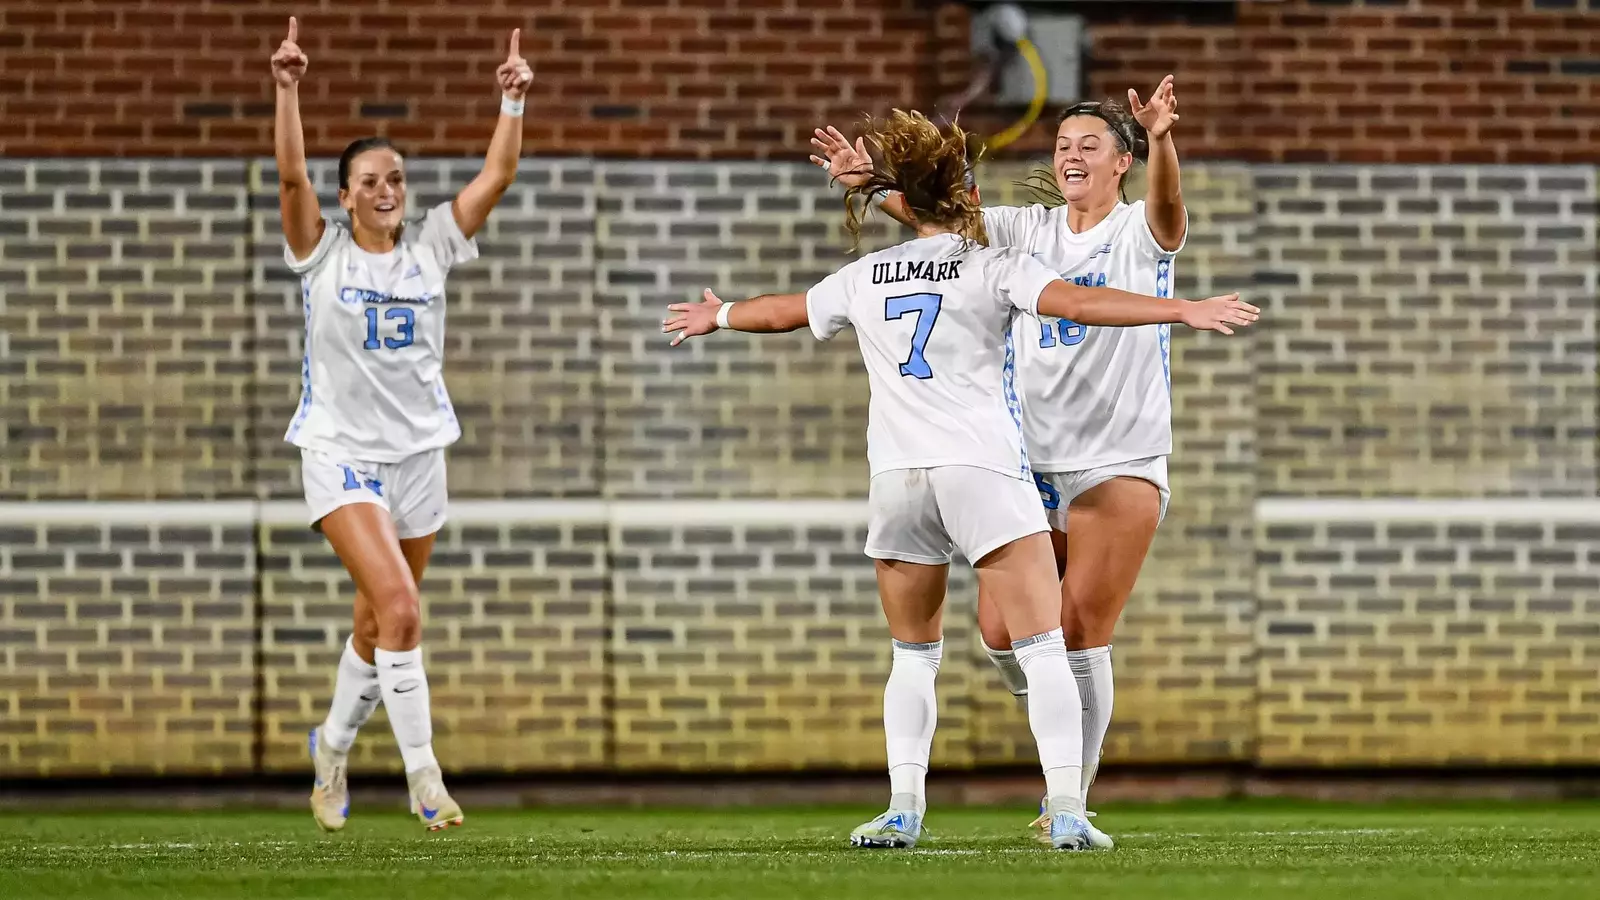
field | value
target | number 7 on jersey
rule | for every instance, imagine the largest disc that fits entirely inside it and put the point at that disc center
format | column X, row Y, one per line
column 926, row 306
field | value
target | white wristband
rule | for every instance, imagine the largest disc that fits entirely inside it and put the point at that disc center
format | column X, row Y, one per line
column 510, row 107
column 722, row 314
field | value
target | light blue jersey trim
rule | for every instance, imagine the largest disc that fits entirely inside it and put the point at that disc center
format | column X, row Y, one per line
column 305, row 366
column 1164, row 332
column 1013, row 403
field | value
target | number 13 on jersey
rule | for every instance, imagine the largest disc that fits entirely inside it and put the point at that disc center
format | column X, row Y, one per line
column 405, row 331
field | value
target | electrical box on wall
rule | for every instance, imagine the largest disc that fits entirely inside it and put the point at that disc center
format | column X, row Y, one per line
column 1056, row 34
column 1059, row 39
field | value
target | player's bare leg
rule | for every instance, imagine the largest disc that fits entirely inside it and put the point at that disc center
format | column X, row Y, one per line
column 1021, row 579
column 1110, row 528
column 356, row 695
column 363, row 536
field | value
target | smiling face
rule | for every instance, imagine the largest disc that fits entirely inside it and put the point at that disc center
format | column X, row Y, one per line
column 375, row 192
column 1088, row 163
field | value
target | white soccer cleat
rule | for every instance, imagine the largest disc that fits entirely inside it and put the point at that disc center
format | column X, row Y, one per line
column 892, row 830
column 330, row 793
column 430, row 801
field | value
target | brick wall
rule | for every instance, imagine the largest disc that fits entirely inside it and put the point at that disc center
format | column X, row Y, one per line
column 1366, row 81
column 694, row 78
column 1429, row 638
column 1299, row 81
column 152, row 354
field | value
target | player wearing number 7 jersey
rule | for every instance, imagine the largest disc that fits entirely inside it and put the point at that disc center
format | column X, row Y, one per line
column 374, row 416
column 1097, row 408
column 949, row 472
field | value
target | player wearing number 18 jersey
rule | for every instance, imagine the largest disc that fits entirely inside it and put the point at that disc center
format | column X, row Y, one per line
column 374, row 416
column 949, row 472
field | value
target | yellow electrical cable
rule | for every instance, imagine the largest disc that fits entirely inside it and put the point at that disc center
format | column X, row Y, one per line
column 1041, row 92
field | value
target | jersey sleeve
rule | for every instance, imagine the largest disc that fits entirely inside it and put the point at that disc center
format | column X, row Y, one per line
column 828, row 306
column 1020, row 279
column 332, row 233
column 442, row 237
column 1147, row 238
column 1011, row 226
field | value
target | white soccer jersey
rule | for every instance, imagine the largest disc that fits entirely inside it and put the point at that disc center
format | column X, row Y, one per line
column 1092, row 396
column 933, row 317
column 372, row 380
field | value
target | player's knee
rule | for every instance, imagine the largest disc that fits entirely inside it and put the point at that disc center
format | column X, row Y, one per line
column 398, row 615
column 365, row 633
column 1084, row 626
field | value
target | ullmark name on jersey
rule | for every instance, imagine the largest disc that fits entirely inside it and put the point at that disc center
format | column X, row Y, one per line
column 915, row 270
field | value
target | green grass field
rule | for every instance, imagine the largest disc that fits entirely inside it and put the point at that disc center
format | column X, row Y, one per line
column 1196, row 850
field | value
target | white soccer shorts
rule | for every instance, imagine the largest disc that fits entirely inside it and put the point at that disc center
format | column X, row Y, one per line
column 923, row 515
column 1057, row 490
column 412, row 490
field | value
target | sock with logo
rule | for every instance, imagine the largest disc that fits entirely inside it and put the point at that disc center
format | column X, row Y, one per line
column 405, row 695
column 356, row 693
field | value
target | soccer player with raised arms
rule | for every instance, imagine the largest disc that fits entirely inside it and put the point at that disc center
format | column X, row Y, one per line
column 374, row 416
column 1097, row 402
column 934, row 318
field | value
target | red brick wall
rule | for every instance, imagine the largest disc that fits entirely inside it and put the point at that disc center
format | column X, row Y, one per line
column 1409, row 81
column 1404, row 81
column 622, row 77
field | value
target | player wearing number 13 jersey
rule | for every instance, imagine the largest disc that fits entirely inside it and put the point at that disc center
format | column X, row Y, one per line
column 933, row 318
column 374, row 416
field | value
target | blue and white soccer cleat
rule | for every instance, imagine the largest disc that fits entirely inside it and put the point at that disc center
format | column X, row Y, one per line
column 1066, row 830
column 330, row 792
column 893, row 829
column 430, row 801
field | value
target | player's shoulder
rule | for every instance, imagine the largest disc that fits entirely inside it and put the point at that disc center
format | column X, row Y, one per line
column 433, row 218
column 1009, row 255
column 1027, row 210
column 332, row 247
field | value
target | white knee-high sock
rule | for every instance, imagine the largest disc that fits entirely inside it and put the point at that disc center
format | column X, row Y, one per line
column 356, row 693
column 1010, row 670
column 1055, row 715
column 405, row 694
column 910, row 713
column 1092, row 668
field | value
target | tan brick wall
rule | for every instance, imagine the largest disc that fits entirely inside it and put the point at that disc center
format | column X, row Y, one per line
column 1431, row 331
column 127, row 648
column 1429, row 642
column 581, row 643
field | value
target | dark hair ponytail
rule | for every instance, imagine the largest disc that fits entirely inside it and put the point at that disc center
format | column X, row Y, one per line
column 1124, row 129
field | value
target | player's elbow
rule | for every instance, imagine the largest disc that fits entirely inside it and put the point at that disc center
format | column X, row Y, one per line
column 1062, row 300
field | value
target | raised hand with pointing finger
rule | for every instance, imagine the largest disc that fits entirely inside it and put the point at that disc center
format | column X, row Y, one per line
column 514, row 75
column 289, row 63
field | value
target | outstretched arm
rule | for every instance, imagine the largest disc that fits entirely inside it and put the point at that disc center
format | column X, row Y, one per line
column 1108, row 306
column 298, row 208
column 473, row 205
column 767, row 314
column 1163, row 198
